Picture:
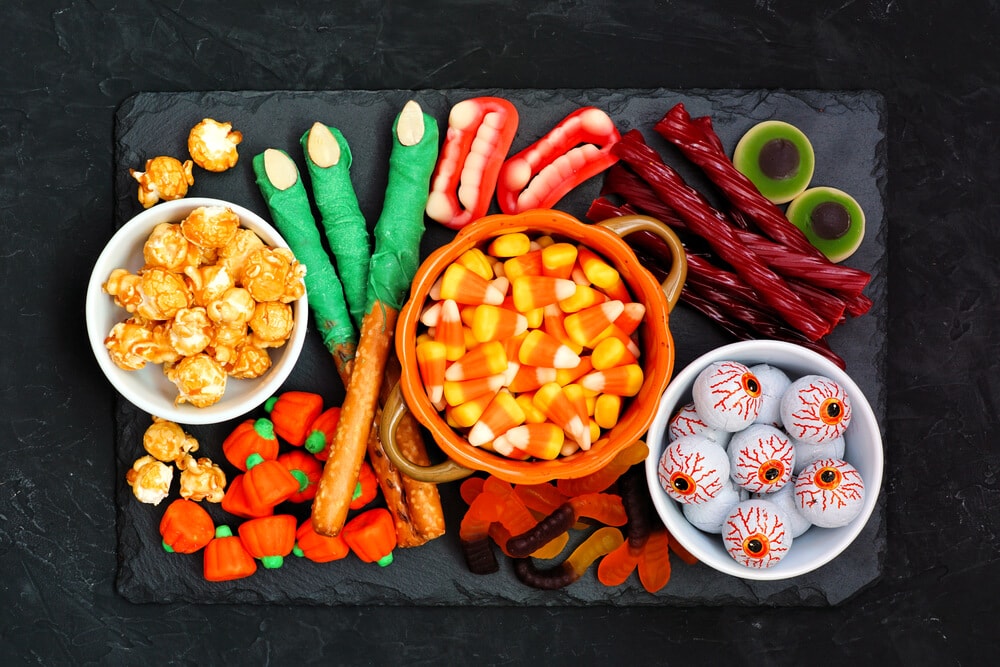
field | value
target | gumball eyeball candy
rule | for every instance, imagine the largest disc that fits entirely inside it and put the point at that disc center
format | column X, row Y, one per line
column 693, row 469
column 830, row 493
column 807, row 452
column 815, row 409
column 687, row 422
column 727, row 396
column 755, row 534
column 784, row 500
column 773, row 383
column 710, row 515
column 761, row 458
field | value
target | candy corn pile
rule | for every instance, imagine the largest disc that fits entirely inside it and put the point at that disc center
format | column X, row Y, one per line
column 529, row 348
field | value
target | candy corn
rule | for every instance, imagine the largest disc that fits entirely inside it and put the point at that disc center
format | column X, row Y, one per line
column 607, row 409
column 476, row 261
column 456, row 393
column 431, row 363
column 449, row 330
column 619, row 380
column 631, row 317
column 543, row 441
column 587, row 324
column 502, row 414
column 532, row 292
column 557, row 406
column 611, row 352
column 480, row 361
column 509, row 245
column 489, row 323
column 528, row 264
column 558, row 260
column 541, row 349
column 584, row 296
column 530, row 378
column 464, row 415
column 466, row 286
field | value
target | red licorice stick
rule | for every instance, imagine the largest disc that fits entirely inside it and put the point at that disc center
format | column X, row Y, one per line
column 705, row 221
column 677, row 128
column 790, row 263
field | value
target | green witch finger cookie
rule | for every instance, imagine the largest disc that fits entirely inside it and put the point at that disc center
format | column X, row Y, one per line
column 328, row 160
column 280, row 184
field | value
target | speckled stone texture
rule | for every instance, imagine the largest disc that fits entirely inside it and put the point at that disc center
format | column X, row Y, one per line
column 435, row 574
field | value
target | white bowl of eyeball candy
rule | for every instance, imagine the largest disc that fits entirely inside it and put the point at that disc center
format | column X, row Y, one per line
column 202, row 363
column 765, row 460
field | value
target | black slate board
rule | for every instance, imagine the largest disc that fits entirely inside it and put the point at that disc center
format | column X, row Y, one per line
column 847, row 130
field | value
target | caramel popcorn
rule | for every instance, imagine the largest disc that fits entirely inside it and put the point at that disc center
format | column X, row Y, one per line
column 234, row 254
column 271, row 323
column 162, row 294
column 167, row 248
column 273, row 274
column 192, row 303
column 227, row 338
column 150, row 480
column 248, row 361
column 209, row 283
column 235, row 307
column 124, row 287
column 212, row 145
column 201, row 479
column 210, row 226
column 200, row 380
column 167, row 442
column 165, row 178
column 191, row 331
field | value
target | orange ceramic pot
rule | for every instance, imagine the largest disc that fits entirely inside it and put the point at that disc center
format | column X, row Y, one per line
column 655, row 341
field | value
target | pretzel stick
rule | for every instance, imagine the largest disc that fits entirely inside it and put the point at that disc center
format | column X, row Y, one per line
column 393, row 264
column 422, row 498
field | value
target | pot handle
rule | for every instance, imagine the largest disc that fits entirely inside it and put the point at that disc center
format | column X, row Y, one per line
column 392, row 412
column 629, row 224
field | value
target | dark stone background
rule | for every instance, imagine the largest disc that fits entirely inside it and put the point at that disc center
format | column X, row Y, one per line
column 68, row 65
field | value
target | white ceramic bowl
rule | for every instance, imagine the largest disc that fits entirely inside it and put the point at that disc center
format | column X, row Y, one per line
column 863, row 449
column 149, row 389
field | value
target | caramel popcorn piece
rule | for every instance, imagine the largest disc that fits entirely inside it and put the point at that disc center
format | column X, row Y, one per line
column 166, row 441
column 210, row 226
column 248, row 361
column 201, row 479
column 190, row 331
column 124, row 287
column 235, row 307
column 167, row 248
column 212, row 145
column 164, row 178
column 162, row 293
column 227, row 338
column 150, row 480
column 273, row 274
column 209, row 283
column 126, row 344
column 234, row 254
column 200, row 380
column 271, row 323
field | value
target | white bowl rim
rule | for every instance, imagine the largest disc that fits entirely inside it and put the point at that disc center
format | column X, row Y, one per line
column 185, row 413
column 752, row 352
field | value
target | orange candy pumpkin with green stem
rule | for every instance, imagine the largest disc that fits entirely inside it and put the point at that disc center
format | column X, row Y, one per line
column 235, row 501
column 318, row 548
column 226, row 558
column 371, row 536
column 269, row 538
column 267, row 483
column 253, row 436
column 186, row 527
column 292, row 413
column 307, row 469
column 321, row 433
column 367, row 487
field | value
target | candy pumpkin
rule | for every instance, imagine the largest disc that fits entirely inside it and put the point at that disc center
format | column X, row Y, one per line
column 186, row 527
column 321, row 433
column 269, row 538
column 267, row 483
column 236, row 503
column 306, row 469
column 226, row 558
column 292, row 413
column 372, row 536
column 253, row 436
column 367, row 487
column 318, row 548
